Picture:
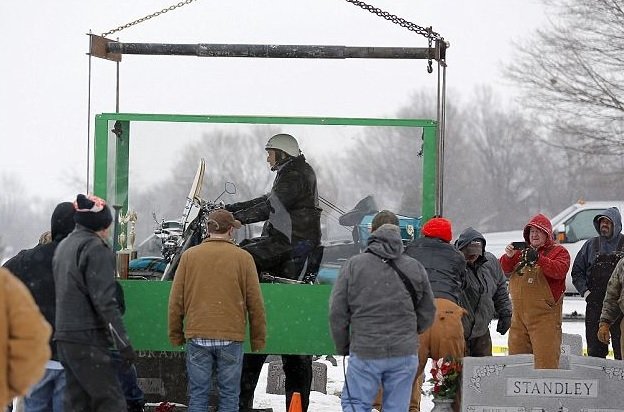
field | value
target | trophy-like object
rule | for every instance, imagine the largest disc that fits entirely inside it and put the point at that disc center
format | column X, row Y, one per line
column 132, row 219
column 123, row 222
column 123, row 255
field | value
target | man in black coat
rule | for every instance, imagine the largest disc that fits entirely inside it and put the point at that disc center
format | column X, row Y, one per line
column 591, row 272
column 446, row 269
column 292, row 231
column 34, row 268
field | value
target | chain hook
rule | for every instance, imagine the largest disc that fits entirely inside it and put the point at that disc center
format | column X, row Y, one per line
column 430, row 42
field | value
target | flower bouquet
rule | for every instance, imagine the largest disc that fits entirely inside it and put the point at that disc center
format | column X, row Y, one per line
column 446, row 378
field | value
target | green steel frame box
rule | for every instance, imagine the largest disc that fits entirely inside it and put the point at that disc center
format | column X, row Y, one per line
column 297, row 315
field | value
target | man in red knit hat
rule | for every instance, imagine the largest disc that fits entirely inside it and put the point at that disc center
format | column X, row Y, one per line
column 536, row 284
column 446, row 268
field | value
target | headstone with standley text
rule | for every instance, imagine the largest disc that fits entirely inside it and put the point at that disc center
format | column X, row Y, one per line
column 511, row 384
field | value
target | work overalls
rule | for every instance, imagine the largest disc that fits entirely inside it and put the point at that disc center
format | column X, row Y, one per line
column 536, row 318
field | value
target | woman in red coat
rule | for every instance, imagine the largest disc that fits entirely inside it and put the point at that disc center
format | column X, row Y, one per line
column 537, row 284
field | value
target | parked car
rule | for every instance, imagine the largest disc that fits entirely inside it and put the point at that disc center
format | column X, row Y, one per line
column 571, row 228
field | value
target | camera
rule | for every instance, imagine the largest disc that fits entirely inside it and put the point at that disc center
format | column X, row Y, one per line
column 519, row 245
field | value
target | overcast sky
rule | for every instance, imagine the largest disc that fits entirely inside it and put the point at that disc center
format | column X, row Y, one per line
column 44, row 69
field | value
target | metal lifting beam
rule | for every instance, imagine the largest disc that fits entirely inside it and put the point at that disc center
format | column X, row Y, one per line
column 112, row 50
column 272, row 51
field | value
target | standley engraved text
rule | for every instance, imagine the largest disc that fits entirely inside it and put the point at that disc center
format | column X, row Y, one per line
column 573, row 388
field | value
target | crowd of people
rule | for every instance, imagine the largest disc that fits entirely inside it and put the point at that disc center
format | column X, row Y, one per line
column 393, row 306
column 470, row 288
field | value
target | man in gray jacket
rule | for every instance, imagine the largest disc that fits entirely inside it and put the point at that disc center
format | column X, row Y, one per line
column 376, row 321
column 88, row 320
column 485, row 294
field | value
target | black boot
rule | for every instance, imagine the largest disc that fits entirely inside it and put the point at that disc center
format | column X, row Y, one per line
column 136, row 406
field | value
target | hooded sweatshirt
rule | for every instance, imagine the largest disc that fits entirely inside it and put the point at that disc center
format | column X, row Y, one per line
column 585, row 258
column 553, row 259
column 370, row 310
column 486, row 287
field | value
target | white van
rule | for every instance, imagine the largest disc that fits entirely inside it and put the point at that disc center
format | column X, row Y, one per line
column 571, row 228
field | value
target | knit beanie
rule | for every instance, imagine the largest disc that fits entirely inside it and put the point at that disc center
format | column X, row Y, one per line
column 438, row 227
column 92, row 212
column 62, row 221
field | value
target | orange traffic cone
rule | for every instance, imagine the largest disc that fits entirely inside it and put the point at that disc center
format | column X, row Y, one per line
column 295, row 403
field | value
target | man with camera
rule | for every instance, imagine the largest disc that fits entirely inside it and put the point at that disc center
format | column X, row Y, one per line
column 537, row 283
column 591, row 272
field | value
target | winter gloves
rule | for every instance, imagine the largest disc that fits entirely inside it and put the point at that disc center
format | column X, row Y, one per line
column 529, row 256
column 503, row 324
column 127, row 356
column 603, row 333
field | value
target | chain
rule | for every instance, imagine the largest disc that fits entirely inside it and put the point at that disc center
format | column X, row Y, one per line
column 423, row 31
column 142, row 19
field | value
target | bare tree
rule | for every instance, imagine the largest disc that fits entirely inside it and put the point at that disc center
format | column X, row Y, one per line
column 572, row 73
column 22, row 218
column 237, row 157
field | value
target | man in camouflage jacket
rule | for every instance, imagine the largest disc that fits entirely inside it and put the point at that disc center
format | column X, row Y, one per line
column 613, row 306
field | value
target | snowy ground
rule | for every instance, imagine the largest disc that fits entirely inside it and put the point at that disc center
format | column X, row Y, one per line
column 335, row 375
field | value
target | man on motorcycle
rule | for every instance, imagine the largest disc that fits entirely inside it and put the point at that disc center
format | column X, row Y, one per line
column 291, row 211
column 291, row 232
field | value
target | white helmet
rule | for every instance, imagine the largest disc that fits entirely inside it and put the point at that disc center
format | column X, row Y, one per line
column 284, row 142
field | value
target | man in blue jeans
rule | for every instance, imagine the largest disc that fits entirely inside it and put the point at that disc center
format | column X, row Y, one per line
column 214, row 290
column 376, row 315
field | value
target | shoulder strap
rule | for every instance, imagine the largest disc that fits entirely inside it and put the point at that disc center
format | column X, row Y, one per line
column 596, row 245
column 406, row 282
column 408, row 285
column 620, row 243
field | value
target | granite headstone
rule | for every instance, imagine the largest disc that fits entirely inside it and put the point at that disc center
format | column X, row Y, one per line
column 511, row 384
column 276, row 378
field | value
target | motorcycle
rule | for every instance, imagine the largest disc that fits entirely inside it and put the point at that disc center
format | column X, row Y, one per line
column 178, row 236
column 194, row 228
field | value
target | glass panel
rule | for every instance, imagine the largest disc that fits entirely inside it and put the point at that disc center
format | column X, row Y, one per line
column 350, row 162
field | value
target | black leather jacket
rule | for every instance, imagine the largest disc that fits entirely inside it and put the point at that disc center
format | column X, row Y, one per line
column 445, row 266
column 87, row 310
column 291, row 209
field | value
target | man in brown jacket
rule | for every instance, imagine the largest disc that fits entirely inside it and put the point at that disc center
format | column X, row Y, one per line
column 24, row 336
column 214, row 289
